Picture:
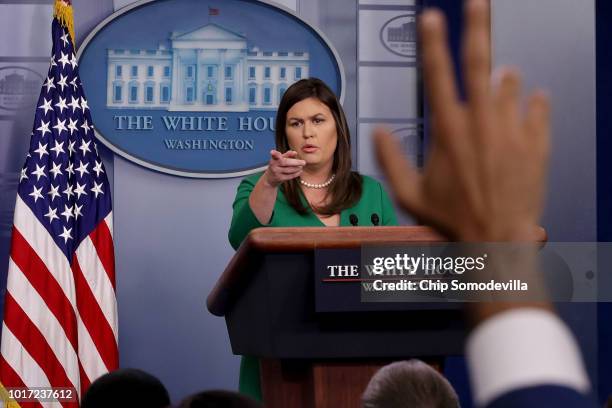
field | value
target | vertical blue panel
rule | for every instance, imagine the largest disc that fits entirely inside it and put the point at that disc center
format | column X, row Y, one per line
column 603, row 31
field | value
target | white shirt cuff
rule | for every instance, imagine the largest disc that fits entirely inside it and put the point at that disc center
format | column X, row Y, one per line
column 523, row 348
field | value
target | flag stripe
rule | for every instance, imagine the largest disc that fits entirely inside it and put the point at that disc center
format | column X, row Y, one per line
column 98, row 282
column 34, row 342
column 94, row 320
column 109, row 223
column 39, row 240
column 21, row 362
column 85, row 383
column 35, row 309
column 89, row 356
column 91, row 360
column 28, row 262
column 103, row 242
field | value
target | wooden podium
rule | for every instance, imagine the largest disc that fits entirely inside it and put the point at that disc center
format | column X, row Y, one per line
column 310, row 359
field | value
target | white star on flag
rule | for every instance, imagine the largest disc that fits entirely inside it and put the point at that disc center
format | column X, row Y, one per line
column 54, row 192
column 79, row 190
column 36, row 193
column 71, row 147
column 64, row 39
column 60, row 126
column 85, row 126
column 61, row 104
column 62, row 81
column 42, row 149
column 39, row 172
column 97, row 189
column 84, row 147
column 44, row 127
column 58, row 148
column 55, row 169
column 69, row 169
column 73, row 61
column 98, row 168
column 68, row 191
column 51, row 214
column 83, row 168
column 64, row 60
column 49, row 84
column 66, row 234
column 46, row 106
column 72, row 126
column 77, row 211
column 67, row 212
column 74, row 104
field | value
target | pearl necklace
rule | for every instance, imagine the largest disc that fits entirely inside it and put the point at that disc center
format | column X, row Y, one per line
column 322, row 185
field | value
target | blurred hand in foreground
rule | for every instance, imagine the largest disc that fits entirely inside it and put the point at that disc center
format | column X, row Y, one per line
column 485, row 174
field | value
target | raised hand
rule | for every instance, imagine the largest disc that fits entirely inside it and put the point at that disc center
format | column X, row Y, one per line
column 485, row 174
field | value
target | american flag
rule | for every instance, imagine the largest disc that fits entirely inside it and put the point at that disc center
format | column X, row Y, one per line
column 60, row 316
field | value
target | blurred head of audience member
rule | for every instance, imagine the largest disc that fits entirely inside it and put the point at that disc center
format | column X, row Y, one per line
column 219, row 399
column 127, row 387
column 409, row 384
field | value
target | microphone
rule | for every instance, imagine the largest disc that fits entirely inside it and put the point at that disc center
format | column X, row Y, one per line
column 354, row 220
column 374, row 218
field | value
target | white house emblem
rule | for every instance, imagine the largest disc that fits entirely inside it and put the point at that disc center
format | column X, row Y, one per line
column 191, row 88
column 398, row 35
column 207, row 69
column 19, row 87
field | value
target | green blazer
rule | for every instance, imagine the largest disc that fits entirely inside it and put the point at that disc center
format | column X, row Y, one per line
column 374, row 199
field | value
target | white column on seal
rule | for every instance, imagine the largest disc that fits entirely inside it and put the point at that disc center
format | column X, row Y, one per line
column 175, row 78
column 221, row 78
column 196, row 87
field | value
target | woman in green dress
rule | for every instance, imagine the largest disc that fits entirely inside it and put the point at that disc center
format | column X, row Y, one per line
column 308, row 182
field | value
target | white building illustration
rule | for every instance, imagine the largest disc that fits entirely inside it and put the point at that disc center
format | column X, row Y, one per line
column 404, row 33
column 207, row 69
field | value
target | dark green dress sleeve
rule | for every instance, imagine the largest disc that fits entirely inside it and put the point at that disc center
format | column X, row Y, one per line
column 388, row 211
column 243, row 221
column 243, row 218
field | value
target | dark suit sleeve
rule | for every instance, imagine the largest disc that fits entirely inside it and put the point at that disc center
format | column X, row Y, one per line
column 543, row 396
column 526, row 357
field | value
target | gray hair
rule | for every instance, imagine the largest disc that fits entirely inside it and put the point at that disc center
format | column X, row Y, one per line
column 411, row 384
